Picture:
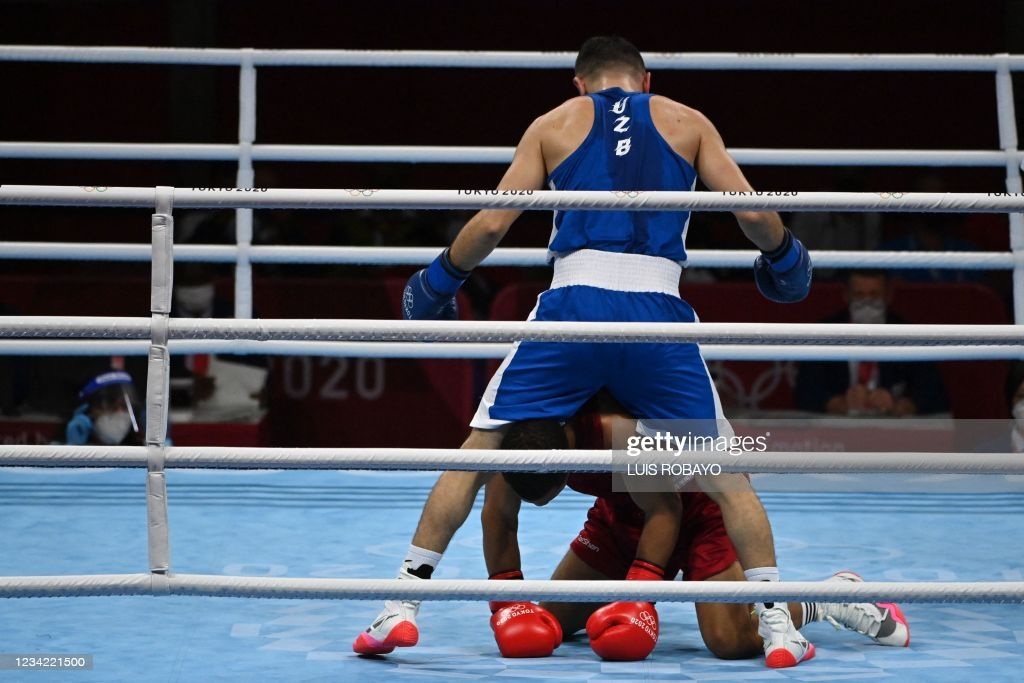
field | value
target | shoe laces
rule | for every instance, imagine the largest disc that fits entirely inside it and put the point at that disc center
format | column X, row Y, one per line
column 862, row 617
column 403, row 609
column 776, row 619
column 404, row 606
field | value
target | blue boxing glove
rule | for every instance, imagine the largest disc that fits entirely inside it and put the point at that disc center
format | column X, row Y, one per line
column 430, row 293
column 784, row 275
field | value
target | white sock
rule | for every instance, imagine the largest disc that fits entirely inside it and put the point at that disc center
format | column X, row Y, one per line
column 421, row 562
column 764, row 574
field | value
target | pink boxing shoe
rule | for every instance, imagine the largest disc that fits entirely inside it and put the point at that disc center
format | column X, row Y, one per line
column 394, row 627
column 883, row 622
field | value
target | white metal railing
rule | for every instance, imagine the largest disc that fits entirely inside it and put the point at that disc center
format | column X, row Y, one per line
column 159, row 329
column 246, row 151
column 507, row 256
column 491, row 59
column 453, row 154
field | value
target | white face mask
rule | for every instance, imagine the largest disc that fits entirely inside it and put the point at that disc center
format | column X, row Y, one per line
column 867, row 311
column 195, row 299
column 1018, row 414
column 111, row 428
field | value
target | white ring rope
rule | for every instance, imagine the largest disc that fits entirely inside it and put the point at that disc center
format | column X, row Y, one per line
column 506, row 256
column 226, row 586
column 456, row 350
column 216, row 586
column 450, row 154
column 506, row 59
column 64, row 327
column 423, row 459
column 588, row 200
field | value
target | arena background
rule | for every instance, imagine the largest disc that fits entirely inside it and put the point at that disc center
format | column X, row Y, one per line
column 155, row 103
column 326, row 524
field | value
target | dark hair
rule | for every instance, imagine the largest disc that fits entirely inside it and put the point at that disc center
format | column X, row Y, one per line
column 1014, row 378
column 541, row 435
column 603, row 52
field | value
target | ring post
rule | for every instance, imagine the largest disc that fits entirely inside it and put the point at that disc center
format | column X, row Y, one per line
column 1008, row 143
column 244, row 178
column 158, row 388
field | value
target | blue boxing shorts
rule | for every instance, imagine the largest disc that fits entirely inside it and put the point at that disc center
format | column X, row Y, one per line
column 552, row 380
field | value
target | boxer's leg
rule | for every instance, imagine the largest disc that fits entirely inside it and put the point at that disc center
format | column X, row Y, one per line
column 729, row 630
column 445, row 511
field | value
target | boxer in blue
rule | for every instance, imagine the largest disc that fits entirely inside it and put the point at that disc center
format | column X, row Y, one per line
column 609, row 266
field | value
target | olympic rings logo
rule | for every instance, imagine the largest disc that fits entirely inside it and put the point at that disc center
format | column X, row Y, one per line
column 891, row 195
column 761, row 387
column 513, row 612
column 648, row 618
column 362, row 193
column 93, row 188
column 633, row 194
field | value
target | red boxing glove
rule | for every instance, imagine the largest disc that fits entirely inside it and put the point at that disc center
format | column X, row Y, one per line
column 623, row 631
column 524, row 629
column 511, row 575
column 642, row 570
column 627, row 631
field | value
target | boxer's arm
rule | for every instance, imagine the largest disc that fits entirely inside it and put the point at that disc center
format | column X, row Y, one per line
column 719, row 171
column 662, row 509
column 485, row 230
column 662, row 518
column 500, row 520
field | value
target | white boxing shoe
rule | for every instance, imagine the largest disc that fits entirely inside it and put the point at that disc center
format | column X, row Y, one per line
column 394, row 627
column 784, row 646
column 883, row 622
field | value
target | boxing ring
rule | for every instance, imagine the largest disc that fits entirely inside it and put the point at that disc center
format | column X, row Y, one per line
column 287, row 484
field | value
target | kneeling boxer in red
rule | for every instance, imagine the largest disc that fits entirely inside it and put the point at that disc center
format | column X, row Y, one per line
column 523, row 629
column 607, row 545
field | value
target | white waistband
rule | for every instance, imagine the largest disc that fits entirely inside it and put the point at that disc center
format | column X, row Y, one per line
column 617, row 272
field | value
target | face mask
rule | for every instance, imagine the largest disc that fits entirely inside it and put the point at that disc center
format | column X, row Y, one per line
column 111, row 428
column 1018, row 415
column 867, row 311
column 196, row 299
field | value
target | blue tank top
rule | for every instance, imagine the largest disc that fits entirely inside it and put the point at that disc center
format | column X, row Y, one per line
column 624, row 151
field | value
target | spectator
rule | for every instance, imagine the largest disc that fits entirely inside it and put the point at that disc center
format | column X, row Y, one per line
column 203, row 378
column 106, row 414
column 195, row 294
column 897, row 388
column 235, row 383
column 194, row 297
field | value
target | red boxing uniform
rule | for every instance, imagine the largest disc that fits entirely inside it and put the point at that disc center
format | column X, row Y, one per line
column 611, row 533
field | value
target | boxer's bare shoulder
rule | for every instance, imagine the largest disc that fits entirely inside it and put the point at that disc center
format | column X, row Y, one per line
column 564, row 128
column 682, row 127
